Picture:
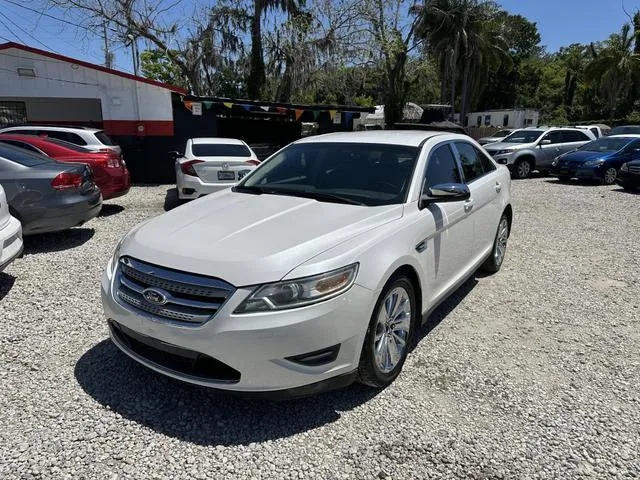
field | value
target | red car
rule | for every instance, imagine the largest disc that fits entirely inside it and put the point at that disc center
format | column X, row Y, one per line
column 109, row 170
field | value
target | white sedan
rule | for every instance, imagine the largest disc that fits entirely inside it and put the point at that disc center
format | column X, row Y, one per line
column 314, row 271
column 212, row 164
column 10, row 234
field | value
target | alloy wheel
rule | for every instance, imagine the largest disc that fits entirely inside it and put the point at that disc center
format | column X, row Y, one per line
column 524, row 169
column 610, row 176
column 501, row 241
column 392, row 330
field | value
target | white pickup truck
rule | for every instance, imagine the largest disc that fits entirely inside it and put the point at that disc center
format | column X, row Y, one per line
column 10, row 234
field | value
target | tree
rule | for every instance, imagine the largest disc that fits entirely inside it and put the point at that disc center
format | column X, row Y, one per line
column 156, row 65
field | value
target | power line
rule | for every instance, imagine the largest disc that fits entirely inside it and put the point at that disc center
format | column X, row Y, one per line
column 11, row 31
column 25, row 32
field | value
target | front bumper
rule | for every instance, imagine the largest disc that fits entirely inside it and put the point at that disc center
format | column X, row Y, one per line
column 255, row 346
column 10, row 242
column 190, row 187
column 579, row 171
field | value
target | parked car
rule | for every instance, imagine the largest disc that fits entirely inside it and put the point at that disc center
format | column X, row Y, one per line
column 90, row 138
column 109, row 170
column 10, row 234
column 46, row 195
column 629, row 175
column 626, row 130
column 597, row 130
column 600, row 159
column 316, row 269
column 211, row 164
column 536, row 148
column 496, row 136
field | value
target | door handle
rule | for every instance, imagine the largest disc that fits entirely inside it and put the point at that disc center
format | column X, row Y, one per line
column 498, row 187
column 468, row 205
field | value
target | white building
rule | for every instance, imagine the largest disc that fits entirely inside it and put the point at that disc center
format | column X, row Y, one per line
column 41, row 87
column 509, row 118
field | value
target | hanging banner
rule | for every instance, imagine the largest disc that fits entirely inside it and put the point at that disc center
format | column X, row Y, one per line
column 227, row 104
column 337, row 118
column 196, row 108
column 207, row 104
column 298, row 113
column 332, row 114
column 188, row 104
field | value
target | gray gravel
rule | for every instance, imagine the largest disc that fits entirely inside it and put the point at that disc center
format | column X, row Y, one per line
column 532, row 373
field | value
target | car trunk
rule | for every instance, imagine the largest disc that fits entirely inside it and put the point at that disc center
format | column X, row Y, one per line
column 221, row 169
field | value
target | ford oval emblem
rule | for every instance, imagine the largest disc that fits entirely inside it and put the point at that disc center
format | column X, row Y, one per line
column 154, row 296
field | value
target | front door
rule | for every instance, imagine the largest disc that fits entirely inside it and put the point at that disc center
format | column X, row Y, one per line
column 550, row 147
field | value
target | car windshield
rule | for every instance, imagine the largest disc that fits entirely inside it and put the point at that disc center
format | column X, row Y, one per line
column 105, row 139
column 355, row 173
column 219, row 150
column 634, row 129
column 21, row 156
column 523, row 136
column 606, row 145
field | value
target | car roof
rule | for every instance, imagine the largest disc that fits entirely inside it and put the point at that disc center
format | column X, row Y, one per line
column 217, row 140
column 53, row 128
column 413, row 138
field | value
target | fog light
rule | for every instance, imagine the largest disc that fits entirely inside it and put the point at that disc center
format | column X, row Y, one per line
column 188, row 191
column 502, row 161
column 319, row 357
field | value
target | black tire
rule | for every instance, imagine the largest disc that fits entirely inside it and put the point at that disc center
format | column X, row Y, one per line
column 494, row 262
column 522, row 169
column 369, row 372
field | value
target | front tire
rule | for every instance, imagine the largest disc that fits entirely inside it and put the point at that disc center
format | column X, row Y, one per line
column 496, row 259
column 522, row 169
column 389, row 335
column 610, row 176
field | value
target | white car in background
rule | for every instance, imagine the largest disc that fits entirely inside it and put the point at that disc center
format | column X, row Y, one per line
column 316, row 269
column 91, row 138
column 212, row 164
column 10, row 233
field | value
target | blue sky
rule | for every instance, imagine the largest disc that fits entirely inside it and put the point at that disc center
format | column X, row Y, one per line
column 561, row 22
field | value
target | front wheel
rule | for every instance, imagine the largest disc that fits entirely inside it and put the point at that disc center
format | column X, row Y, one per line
column 390, row 331
column 610, row 176
column 494, row 262
column 522, row 169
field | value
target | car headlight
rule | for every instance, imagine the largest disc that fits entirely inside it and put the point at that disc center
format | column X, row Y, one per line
column 593, row 163
column 502, row 152
column 624, row 167
column 116, row 256
column 299, row 292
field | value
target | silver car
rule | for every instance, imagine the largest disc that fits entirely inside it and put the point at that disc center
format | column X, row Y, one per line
column 532, row 149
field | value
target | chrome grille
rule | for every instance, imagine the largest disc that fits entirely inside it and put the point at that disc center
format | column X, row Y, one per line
column 634, row 169
column 187, row 298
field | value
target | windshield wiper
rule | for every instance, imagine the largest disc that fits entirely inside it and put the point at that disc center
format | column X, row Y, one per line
column 320, row 196
column 330, row 197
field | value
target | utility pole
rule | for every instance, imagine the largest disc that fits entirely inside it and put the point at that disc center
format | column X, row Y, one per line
column 134, row 53
column 108, row 55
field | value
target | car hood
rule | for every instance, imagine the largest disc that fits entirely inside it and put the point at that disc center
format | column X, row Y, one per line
column 506, row 145
column 580, row 156
column 248, row 239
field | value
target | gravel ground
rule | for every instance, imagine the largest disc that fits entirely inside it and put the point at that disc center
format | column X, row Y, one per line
column 531, row 373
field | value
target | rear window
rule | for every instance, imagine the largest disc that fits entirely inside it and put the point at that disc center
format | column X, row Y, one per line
column 105, row 139
column 61, row 135
column 219, row 150
column 70, row 146
column 21, row 156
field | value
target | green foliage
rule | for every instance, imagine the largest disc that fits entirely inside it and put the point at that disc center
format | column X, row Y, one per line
column 156, row 65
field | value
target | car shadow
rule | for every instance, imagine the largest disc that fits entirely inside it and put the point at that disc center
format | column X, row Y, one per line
column 109, row 209
column 577, row 183
column 444, row 309
column 200, row 415
column 171, row 199
column 57, row 241
column 6, row 283
column 628, row 191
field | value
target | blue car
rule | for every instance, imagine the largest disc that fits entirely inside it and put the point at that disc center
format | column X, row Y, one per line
column 600, row 159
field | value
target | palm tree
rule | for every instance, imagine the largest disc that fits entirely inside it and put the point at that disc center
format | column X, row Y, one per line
column 615, row 67
column 257, row 76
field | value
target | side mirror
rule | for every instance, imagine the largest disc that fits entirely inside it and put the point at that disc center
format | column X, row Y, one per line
column 173, row 154
column 445, row 192
column 545, row 142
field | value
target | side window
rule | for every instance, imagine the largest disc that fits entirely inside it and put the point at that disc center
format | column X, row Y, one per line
column 574, row 136
column 64, row 136
column 633, row 147
column 471, row 162
column 487, row 163
column 505, row 120
column 442, row 167
column 554, row 137
column 23, row 132
column 595, row 132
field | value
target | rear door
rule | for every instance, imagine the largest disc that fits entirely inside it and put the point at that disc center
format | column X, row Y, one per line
column 480, row 175
column 573, row 139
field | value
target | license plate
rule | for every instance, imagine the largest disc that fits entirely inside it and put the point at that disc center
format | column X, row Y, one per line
column 226, row 175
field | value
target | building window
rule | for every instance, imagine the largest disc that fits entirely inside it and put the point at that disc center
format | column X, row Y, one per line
column 479, row 122
column 505, row 121
column 528, row 122
column 487, row 120
column 12, row 113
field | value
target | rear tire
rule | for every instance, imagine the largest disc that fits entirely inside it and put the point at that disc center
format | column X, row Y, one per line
column 496, row 259
column 389, row 335
column 522, row 169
